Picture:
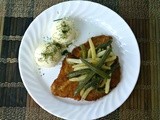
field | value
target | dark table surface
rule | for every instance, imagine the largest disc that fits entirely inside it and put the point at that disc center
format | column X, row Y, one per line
column 143, row 16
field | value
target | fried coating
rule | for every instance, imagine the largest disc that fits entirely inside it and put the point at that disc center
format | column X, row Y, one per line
column 64, row 88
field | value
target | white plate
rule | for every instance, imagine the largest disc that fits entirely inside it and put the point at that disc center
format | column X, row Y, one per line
column 91, row 19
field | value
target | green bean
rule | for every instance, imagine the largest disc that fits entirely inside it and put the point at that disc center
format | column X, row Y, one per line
column 104, row 45
column 95, row 69
column 78, row 72
column 90, row 74
column 102, row 61
column 113, row 68
column 93, row 82
column 84, row 51
column 83, row 83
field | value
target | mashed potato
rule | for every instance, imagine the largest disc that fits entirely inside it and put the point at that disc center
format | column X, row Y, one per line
column 47, row 55
column 64, row 31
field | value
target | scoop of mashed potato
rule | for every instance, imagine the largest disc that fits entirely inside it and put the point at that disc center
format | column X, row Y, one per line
column 64, row 31
column 47, row 55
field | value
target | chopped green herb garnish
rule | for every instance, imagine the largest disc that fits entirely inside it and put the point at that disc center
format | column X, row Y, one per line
column 57, row 19
column 65, row 28
column 46, row 55
column 65, row 52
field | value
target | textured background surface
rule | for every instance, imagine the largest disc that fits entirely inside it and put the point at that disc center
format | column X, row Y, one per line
column 143, row 16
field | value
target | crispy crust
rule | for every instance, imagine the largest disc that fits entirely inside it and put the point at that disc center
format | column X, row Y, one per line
column 64, row 88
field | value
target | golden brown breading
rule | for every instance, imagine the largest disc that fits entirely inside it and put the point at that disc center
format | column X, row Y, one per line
column 64, row 88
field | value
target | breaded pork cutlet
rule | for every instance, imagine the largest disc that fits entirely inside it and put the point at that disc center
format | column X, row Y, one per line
column 64, row 88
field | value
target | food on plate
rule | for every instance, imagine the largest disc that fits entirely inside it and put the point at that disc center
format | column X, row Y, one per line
column 64, row 31
column 89, row 72
column 48, row 54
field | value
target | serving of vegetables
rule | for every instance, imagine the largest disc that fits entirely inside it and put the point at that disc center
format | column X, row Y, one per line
column 93, row 70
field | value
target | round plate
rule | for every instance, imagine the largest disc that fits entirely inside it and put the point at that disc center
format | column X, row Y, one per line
column 91, row 19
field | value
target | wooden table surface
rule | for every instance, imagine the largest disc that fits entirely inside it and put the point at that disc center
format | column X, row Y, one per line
column 143, row 16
